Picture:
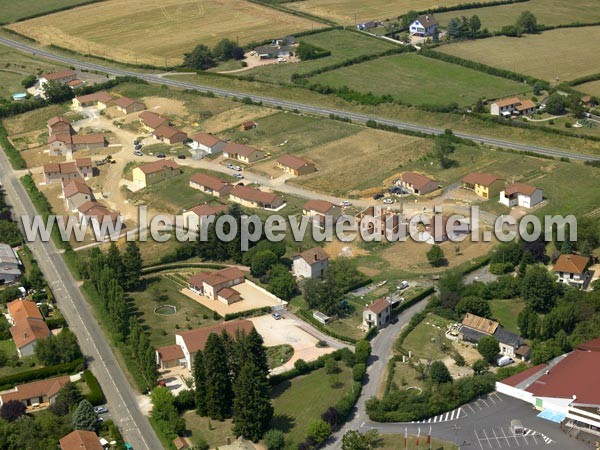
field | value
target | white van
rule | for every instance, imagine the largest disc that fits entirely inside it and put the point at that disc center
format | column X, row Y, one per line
column 516, row 427
column 504, row 361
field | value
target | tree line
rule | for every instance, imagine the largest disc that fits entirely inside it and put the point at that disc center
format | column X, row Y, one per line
column 202, row 57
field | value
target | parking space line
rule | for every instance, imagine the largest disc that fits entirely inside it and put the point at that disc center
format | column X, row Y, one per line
column 485, row 403
column 478, row 405
column 495, row 394
column 488, row 439
column 491, row 399
column 515, row 438
column 526, row 441
column 534, row 439
column 478, row 440
column 497, row 439
column 470, row 407
column 446, row 416
column 502, row 429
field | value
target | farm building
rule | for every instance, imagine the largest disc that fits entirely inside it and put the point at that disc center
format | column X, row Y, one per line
column 310, row 263
column 155, row 172
column 295, row 165
column 10, row 265
column 417, row 184
column 424, row 25
column 242, row 153
column 151, row 121
column 519, row 194
column 170, row 135
column 255, row 198
column 207, row 143
column 128, row 105
column 573, row 270
column 210, row 184
column 485, row 185
column 377, row 314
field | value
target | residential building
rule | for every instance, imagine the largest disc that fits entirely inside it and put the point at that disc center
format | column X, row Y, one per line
column 59, row 125
column 28, row 326
column 319, row 210
column 573, row 270
column 526, row 108
column 155, row 172
column 249, row 125
column 99, row 100
column 243, row 153
column 170, row 135
column 66, row 144
column 211, row 284
column 485, row 185
column 35, row 395
column 128, row 105
column 310, row 263
column 564, row 390
column 76, row 192
column 151, row 121
column 210, row 184
column 62, row 77
column 473, row 328
column 513, row 106
column 170, row 356
column 378, row 314
column 417, row 184
column 10, row 265
column 295, row 165
column 520, row 194
column 439, row 229
column 254, row 198
column 196, row 217
column 80, row 440
column 208, row 143
column 376, row 220
column 424, row 25
column 97, row 215
column 369, row 25
column 273, row 51
column 57, row 172
column 589, row 101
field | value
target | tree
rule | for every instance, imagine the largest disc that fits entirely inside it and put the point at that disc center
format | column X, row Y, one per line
column 355, row 440
column 281, row 282
column 489, row 348
column 58, row 92
column 252, row 409
column 274, row 439
column 165, row 414
column 474, row 305
column 227, row 49
column 28, row 81
column 435, row 256
column 362, row 351
column 218, row 385
column 479, row 106
column 439, row 373
column 443, row 147
column 200, row 383
column 10, row 233
column 528, row 323
column 12, row 410
column 331, row 366
column 526, row 261
column 480, row 366
column 556, row 104
column 474, row 25
column 132, row 266
column 84, row 416
column 200, row 58
column 68, row 397
column 539, row 289
column 262, row 261
column 319, row 430
column 527, row 22
column 256, row 351
column 58, row 349
column 454, row 28
column 537, row 88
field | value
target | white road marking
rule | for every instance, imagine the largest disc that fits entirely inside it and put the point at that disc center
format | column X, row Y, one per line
column 505, row 437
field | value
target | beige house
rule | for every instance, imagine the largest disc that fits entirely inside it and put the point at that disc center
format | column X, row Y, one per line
column 28, row 326
column 474, row 327
column 155, row 172
column 573, row 270
column 254, row 198
column 57, row 172
column 128, row 105
column 310, row 263
column 210, row 184
column 485, row 185
column 513, row 106
column 170, row 135
column 378, row 314
column 320, row 210
column 417, row 184
column 59, row 125
column 66, row 144
column 35, row 395
column 76, row 192
column 150, row 121
column 208, row 143
column 100, row 100
column 243, row 153
column 170, row 356
column 195, row 217
column 211, row 284
column 62, row 77
column 295, row 165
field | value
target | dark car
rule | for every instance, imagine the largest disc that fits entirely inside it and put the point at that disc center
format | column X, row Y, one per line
column 395, row 319
column 181, row 156
column 161, row 155
column 377, row 196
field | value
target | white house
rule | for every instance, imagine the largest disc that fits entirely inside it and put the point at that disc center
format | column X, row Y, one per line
column 519, row 194
column 512, row 106
column 425, row 25
column 207, row 143
column 573, row 270
column 10, row 270
column 310, row 263
column 377, row 314
column 194, row 218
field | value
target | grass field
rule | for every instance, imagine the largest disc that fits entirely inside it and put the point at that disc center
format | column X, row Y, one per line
column 426, row 340
column 304, row 398
column 417, row 80
column 17, row 9
column 158, row 32
column 350, row 12
column 342, row 44
column 592, row 88
column 548, row 12
column 506, row 312
column 213, row 432
column 563, row 53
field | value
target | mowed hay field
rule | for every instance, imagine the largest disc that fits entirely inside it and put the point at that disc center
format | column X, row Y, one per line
column 548, row 12
column 159, row 31
column 346, row 11
column 563, row 53
column 419, row 80
column 11, row 10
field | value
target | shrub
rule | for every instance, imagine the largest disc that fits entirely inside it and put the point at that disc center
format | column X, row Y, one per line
column 301, row 366
column 358, row 372
column 274, row 439
column 95, row 396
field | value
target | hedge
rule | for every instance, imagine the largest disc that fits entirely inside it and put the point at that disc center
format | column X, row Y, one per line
column 11, row 381
column 249, row 313
column 307, row 315
column 95, row 396
column 14, row 156
column 413, row 301
column 583, row 80
column 56, row 322
column 162, row 267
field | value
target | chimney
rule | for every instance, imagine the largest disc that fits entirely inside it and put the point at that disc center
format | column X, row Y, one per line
column 316, row 257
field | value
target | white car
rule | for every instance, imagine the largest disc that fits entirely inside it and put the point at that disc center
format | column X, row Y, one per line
column 345, row 203
column 101, row 409
column 238, row 168
column 230, row 166
column 388, row 201
column 239, row 176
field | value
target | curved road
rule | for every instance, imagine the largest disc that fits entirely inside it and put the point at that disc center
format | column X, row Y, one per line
column 315, row 110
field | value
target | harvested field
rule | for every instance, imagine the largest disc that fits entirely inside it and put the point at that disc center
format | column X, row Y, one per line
column 18, row 9
column 159, row 32
column 592, row 88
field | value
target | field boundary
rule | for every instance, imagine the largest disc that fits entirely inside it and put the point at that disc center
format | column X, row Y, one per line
column 52, row 11
column 293, row 12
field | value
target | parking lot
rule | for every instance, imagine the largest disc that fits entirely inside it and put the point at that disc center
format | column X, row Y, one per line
column 503, row 437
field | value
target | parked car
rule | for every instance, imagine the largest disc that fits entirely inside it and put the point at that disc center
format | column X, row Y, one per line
column 377, row 196
column 239, row 176
column 101, row 409
column 516, row 427
column 388, row 201
column 138, row 153
column 276, row 316
column 161, row 155
column 403, row 285
column 238, row 168
column 345, row 203
column 136, row 142
column 504, row 361
column 230, row 166
column 181, row 156
column 162, row 383
column 138, row 147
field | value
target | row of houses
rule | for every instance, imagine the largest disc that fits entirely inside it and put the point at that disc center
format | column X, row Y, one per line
column 486, row 186
column 64, row 140
column 61, row 172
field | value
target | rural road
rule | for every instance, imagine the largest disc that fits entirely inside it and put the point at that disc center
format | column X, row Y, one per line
column 121, row 398
column 309, row 109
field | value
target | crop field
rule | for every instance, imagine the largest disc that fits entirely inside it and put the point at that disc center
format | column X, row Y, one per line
column 548, row 12
column 343, row 45
column 563, row 53
column 18, row 9
column 592, row 88
column 159, row 32
column 414, row 79
column 349, row 12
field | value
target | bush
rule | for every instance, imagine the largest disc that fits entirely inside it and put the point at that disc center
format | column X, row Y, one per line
column 501, row 268
column 274, row 440
column 95, row 396
column 358, row 372
column 301, row 366
column 14, row 156
column 185, row 400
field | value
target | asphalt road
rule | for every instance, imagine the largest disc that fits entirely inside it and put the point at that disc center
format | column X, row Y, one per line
column 121, row 398
column 309, row 109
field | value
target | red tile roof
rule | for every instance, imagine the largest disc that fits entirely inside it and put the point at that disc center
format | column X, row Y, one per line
column 206, row 139
column 378, row 306
column 314, row 255
column 483, row 179
column 216, row 278
column 158, row 166
column 525, row 105
column 59, row 75
column 170, row 352
column 83, row 162
column 240, row 149
column 100, row 96
column 320, row 206
column 23, row 309
column 125, row 102
column 210, row 181
column 294, row 162
column 196, row 339
column 76, row 186
column 152, row 119
column 254, row 195
column 572, row 263
column 208, row 210
column 518, row 378
column 56, row 119
column 508, row 102
column 165, row 131
column 49, row 387
column 416, row 179
column 519, row 188
column 80, row 440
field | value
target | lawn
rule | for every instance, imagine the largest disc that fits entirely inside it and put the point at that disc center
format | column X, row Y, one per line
column 414, row 79
column 506, row 312
column 33, row 120
column 406, row 376
column 213, row 432
column 563, row 54
column 591, row 88
column 164, row 289
column 342, row 44
column 159, row 33
column 10, row 350
column 302, row 399
column 548, row 12
column 427, row 339
column 13, row 10
column 349, row 12
column 279, row 355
